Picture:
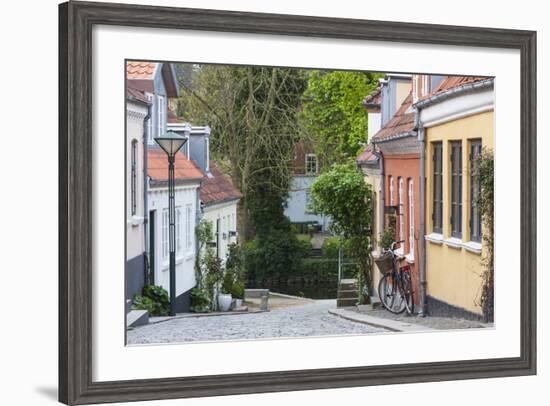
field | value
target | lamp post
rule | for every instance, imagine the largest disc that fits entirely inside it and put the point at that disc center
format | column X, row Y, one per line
column 171, row 143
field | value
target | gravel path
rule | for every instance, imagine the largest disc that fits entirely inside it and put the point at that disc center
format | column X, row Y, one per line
column 307, row 320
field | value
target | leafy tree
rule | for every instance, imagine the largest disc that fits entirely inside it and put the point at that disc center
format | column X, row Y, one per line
column 484, row 169
column 332, row 113
column 252, row 112
column 342, row 194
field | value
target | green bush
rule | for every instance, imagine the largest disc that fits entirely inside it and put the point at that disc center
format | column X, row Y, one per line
column 154, row 299
column 331, row 246
column 200, row 301
column 237, row 290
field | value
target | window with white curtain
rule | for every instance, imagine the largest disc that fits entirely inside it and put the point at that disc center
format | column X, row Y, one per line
column 401, row 214
column 411, row 217
column 178, row 231
column 391, row 190
column 164, row 240
column 189, row 227
column 150, row 140
column 161, row 119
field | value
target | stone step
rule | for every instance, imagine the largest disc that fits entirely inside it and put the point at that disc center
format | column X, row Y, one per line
column 348, row 302
column 345, row 294
column 347, row 285
column 137, row 318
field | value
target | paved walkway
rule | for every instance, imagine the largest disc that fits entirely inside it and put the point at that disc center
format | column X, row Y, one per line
column 307, row 320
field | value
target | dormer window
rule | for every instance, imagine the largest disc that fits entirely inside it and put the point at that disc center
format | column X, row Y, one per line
column 312, row 166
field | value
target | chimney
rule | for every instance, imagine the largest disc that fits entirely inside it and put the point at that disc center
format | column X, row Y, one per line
column 199, row 147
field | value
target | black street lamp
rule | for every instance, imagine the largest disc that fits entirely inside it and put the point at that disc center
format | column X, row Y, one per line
column 171, row 143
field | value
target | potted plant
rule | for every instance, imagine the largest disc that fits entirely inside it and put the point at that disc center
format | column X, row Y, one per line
column 224, row 297
column 237, row 291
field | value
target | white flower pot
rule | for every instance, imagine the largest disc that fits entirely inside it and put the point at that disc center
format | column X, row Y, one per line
column 238, row 302
column 224, row 301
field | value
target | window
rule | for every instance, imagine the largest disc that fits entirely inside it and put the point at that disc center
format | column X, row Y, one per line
column 456, row 189
column 425, row 85
column 311, row 164
column 391, row 190
column 164, row 241
column 475, row 191
column 150, row 140
column 308, row 202
column 133, row 176
column 401, row 212
column 437, row 193
column 411, row 217
column 161, row 119
column 189, row 227
column 178, row 230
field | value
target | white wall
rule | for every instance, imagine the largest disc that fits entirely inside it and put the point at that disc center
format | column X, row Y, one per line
column 29, row 357
column 227, row 214
column 296, row 204
column 185, row 257
column 135, row 245
column 375, row 120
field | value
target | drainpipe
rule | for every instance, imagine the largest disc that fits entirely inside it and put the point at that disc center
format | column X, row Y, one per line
column 145, row 197
column 422, row 240
column 382, row 199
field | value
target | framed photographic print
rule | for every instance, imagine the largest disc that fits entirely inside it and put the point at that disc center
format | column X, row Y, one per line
column 260, row 202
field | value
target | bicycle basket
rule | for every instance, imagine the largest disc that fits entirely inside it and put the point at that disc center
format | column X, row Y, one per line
column 383, row 262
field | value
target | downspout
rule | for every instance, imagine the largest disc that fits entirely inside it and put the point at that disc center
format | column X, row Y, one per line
column 382, row 200
column 147, row 277
column 421, row 239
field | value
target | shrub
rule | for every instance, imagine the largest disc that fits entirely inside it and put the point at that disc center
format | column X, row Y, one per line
column 154, row 299
column 200, row 301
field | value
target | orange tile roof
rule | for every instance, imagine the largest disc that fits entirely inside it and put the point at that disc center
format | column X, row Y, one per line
column 218, row 188
column 451, row 82
column 368, row 155
column 401, row 122
column 140, row 70
column 184, row 169
column 133, row 93
column 374, row 98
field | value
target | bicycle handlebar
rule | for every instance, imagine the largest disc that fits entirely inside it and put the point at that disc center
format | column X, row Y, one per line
column 396, row 242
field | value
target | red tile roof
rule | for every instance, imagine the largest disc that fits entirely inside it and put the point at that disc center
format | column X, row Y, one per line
column 374, row 98
column 218, row 188
column 133, row 93
column 140, row 70
column 368, row 155
column 184, row 169
column 401, row 122
column 451, row 82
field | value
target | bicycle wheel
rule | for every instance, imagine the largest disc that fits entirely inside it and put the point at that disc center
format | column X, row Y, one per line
column 390, row 295
column 406, row 285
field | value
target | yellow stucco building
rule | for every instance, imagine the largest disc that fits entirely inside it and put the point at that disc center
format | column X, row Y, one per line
column 457, row 120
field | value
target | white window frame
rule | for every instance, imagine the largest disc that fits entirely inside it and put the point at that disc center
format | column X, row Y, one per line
column 179, row 219
column 188, row 228
column 165, row 227
column 314, row 159
column 425, row 85
column 150, row 139
column 411, row 218
column 391, row 190
column 161, row 111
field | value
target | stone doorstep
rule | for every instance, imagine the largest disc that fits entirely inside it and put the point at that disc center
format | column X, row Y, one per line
column 391, row 325
column 161, row 319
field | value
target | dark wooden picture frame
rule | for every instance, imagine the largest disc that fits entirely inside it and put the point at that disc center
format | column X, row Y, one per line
column 76, row 20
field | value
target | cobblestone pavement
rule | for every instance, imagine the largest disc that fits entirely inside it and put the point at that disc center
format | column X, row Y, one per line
column 438, row 323
column 311, row 319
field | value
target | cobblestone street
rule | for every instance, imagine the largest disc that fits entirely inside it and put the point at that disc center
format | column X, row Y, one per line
column 311, row 319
